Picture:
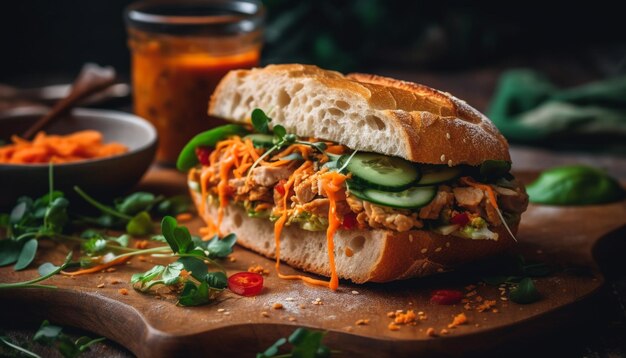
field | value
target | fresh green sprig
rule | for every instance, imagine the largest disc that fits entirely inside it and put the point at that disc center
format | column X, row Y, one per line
column 304, row 342
column 523, row 289
column 52, row 335
column 194, row 256
column 46, row 271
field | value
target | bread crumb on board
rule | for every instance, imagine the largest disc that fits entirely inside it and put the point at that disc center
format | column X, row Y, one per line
column 277, row 306
column 458, row 320
column 100, row 285
column 362, row 322
column 265, row 314
column 430, row 332
column 123, row 291
column 259, row 269
column 393, row 327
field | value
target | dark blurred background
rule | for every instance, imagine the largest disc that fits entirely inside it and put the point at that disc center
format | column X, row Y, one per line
column 42, row 37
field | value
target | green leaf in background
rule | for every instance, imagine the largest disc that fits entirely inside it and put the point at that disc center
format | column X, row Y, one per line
column 27, row 255
column 525, row 292
column 56, row 216
column 273, row 349
column 136, row 203
column 175, row 205
column 47, row 269
column 140, row 224
column 148, row 275
column 47, row 333
column 193, row 295
column 306, row 343
column 9, row 251
column 574, row 185
column 94, row 245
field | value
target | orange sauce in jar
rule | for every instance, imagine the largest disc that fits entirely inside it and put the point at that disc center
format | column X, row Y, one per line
column 174, row 73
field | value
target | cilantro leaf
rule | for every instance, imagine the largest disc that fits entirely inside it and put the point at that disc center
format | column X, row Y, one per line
column 171, row 273
column 148, row 275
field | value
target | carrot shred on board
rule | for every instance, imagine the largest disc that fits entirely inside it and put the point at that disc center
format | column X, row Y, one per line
column 98, row 268
column 44, row 148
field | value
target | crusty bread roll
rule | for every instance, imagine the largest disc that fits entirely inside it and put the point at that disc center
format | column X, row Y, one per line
column 376, row 255
column 363, row 112
column 366, row 113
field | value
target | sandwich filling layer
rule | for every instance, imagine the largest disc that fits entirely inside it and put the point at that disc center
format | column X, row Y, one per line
column 324, row 186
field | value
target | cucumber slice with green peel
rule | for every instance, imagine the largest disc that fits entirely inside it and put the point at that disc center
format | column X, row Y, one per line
column 261, row 140
column 381, row 171
column 412, row 198
column 436, row 175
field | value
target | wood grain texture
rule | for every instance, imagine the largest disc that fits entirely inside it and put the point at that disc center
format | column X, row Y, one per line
column 153, row 326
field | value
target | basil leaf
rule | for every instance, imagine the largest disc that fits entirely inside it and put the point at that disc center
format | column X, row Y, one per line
column 195, row 266
column 260, row 121
column 220, row 248
column 140, row 224
column 525, row 292
column 574, row 185
column 193, row 295
column 9, row 251
column 216, row 280
column 187, row 158
column 27, row 255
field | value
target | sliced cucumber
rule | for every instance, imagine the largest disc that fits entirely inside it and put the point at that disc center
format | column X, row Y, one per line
column 412, row 198
column 437, row 174
column 381, row 171
column 261, row 140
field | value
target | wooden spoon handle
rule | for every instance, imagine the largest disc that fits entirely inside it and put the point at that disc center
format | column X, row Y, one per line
column 92, row 79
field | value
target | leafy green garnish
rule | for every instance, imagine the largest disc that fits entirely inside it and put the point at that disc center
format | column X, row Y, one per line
column 174, row 205
column 187, row 158
column 575, row 185
column 305, row 344
column 260, row 121
column 525, row 292
column 52, row 335
column 46, row 271
column 194, row 295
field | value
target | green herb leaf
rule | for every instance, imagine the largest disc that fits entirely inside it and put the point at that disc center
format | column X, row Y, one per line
column 195, row 266
column 183, row 239
column 175, row 205
column 220, row 248
column 148, row 275
column 94, row 245
column 171, row 273
column 574, row 185
column 525, row 292
column 140, row 224
column 56, row 217
column 84, row 343
column 217, row 280
column 260, row 121
column 187, row 158
column 27, row 255
column 279, row 132
column 136, row 203
column 308, row 342
column 193, row 295
column 47, row 269
column 178, row 237
column 47, row 333
column 9, row 251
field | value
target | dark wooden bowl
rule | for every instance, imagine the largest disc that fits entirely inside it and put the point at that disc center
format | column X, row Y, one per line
column 106, row 177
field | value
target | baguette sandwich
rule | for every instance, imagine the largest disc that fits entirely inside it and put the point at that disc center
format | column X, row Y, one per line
column 358, row 177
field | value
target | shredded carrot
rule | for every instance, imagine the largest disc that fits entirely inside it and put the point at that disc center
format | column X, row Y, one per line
column 278, row 163
column 335, row 149
column 491, row 195
column 97, row 268
column 332, row 184
column 184, row 217
column 81, row 145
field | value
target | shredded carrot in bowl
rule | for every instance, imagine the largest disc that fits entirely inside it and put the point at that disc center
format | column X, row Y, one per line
column 44, row 148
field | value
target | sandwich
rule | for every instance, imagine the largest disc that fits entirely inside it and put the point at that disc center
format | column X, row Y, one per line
column 355, row 177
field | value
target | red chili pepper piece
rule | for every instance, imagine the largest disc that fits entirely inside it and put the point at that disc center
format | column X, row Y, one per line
column 460, row 219
column 349, row 221
column 280, row 187
column 446, row 297
column 246, row 283
column 203, row 154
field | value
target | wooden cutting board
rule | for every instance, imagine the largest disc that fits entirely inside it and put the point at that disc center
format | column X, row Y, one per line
column 153, row 326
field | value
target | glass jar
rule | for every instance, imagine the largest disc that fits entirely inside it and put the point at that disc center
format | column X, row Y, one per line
column 180, row 51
